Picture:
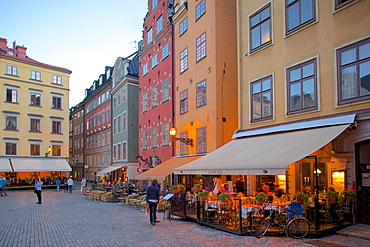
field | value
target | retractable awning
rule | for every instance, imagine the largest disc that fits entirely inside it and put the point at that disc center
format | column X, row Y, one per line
column 5, row 165
column 109, row 169
column 161, row 171
column 262, row 155
column 39, row 164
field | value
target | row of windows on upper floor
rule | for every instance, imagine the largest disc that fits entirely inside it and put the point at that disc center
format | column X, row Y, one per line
column 98, row 101
column 121, row 97
column 154, row 59
column 98, row 119
column 11, row 148
column 12, row 70
column 11, row 96
column 120, row 151
column 35, row 124
column 154, row 95
column 98, row 140
column 353, row 83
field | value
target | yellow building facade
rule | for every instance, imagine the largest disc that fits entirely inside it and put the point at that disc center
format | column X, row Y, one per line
column 35, row 110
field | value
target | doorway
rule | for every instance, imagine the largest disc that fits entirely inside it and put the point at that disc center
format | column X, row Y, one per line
column 363, row 181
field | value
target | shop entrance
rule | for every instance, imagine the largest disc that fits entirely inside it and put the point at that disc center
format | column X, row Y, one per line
column 363, row 181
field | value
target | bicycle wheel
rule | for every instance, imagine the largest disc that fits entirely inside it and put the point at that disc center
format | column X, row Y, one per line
column 298, row 228
column 263, row 227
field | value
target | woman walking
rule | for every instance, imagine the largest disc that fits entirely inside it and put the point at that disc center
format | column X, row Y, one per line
column 152, row 199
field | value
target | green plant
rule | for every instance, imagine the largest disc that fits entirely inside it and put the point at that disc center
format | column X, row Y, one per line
column 223, row 196
column 331, row 193
column 173, row 187
column 166, row 204
column 261, row 196
column 302, row 195
column 181, row 187
column 198, row 186
column 203, row 193
column 348, row 192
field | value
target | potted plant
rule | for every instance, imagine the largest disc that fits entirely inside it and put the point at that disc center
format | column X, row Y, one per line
column 260, row 198
column 332, row 196
column 301, row 197
column 223, row 196
column 181, row 188
column 348, row 193
column 167, row 207
column 225, row 185
column 203, row 195
column 198, row 187
column 173, row 189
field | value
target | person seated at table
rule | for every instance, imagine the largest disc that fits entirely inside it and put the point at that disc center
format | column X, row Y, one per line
column 279, row 192
column 266, row 190
column 307, row 190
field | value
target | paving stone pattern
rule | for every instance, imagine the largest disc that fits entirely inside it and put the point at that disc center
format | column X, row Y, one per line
column 67, row 219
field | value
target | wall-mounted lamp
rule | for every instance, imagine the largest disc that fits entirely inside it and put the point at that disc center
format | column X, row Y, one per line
column 48, row 151
column 187, row 141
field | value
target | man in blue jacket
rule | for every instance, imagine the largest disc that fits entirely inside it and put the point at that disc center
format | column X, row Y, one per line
column 152, row 199
column 3, row 184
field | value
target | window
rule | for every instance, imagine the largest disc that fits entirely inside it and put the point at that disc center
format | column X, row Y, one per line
column 119, row 151
column 183, row 147
column 154, row 4
column 11, row 95
column 11, row 122
column 184, row 60
column 202, row 140
column 201, row 93
column 165, row 90
column 154, row 137
column 260, row 28
column 261, row 99
column 119, row 121
column 114, row 152
column 124, row 151
column 154, row 96
column 145, row 102
column 35, row 125
column 57, row 103
column 35, row 75
column 299, row 13
column 200, row 9
column 124, row 94
column 11, row 70
column 114, row 102
column 353, row 63
column 201, row 46
column 35, row 99
column 165, row 134
column 183, row 26
column 114, row 126
column 341, row 3
column 56, row 150
column 159, row 24
column 302, row 89
column 11, row 148
column 145, row 69
column 124, row 121
column 184, row 101
column 144, row 140
column 154, row 60
column 56, row 127
column 57, row 79
column 165, row 51
column 150, row 35
column 35, row 149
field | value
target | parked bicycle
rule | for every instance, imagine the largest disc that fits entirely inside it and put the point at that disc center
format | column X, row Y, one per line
column 295, row 225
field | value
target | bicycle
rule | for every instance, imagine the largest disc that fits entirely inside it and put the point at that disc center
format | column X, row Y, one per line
column 297, row 227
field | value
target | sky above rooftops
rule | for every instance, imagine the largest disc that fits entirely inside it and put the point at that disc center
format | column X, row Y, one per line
column 81, row 35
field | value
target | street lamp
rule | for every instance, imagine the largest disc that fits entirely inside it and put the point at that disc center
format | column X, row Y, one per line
column 48, row 151
column 187, row 141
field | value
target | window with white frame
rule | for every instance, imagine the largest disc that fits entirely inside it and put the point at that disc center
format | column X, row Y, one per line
column 57, row 79
column 35, row 75
column 154, row 60
column 119, row 151
column 35, row 99
column 11, row 95
column 183, row 26
column 260, row 28
column 299, row 13
column 154, row 4
column 165, row 51
column 200, row 9
column 154, row 137
column 124, row 151
column 184, row 148
column 124, row 121
column 261, row 99
column 202, row 140
column 145, row 69
column 56, row 127
column 144, row 103
column 35, row 149
column 184, row 101
column 57, row 102
column 165, row 90
column 119, row 121
column 159, row 24
column 201, row 93
column 150, row 35
column 56, row 150
column 201, row 46
column 183, row 60
column 165, row 134
column 342, row 3
column 11, row 122
column 124, row 94
column 154, row 96
column 144, row 140
column 114, row 126
column 10, row 147
column 35, row 124
column 11, row 70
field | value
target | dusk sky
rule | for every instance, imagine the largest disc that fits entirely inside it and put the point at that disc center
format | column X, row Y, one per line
column 81, row 35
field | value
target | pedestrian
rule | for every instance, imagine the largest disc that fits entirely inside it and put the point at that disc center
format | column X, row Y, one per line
column 83, row 186
column 65, row 185
column 70, row 184
column 152, row 199
column 3, row 184
column 38, row 190
column 57, row 182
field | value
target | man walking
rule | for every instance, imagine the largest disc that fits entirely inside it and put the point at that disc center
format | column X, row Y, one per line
column 70, row 184
column 152, row 199
column 3, row 184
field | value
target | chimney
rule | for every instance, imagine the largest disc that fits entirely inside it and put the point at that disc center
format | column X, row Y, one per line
column 3, row 43
column 21, row 51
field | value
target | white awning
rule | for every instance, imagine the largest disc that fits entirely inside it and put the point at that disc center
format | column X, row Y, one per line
column 161, row 171
column 25, row 164
column 109, row 169
column 5, row 165
column 262, row 155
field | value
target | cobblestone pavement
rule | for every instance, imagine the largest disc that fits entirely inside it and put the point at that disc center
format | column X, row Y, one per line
column 67, row 219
